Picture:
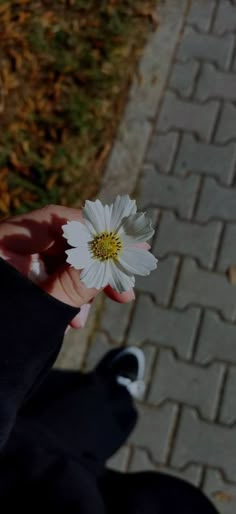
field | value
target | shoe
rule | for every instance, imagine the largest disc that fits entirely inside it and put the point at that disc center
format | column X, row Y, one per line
column 128, row 367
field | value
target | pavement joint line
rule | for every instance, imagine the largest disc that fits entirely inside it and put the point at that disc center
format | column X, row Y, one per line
column 219, row 246
column 175, row 281
column 221, row 394
column 172, row 437
column 197, row 334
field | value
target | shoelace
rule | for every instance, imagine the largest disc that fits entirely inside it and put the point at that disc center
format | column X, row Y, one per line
column 136, row 388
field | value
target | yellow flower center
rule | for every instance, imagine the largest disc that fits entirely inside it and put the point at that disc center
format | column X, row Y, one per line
column 106, row 245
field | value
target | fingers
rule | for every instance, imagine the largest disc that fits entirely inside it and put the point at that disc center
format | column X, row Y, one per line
column 66, row 286
column 125, row 297
column 38, row 231
column 80, row 320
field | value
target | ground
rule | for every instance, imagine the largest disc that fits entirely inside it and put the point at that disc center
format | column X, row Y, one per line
column 65, row 69
column 184, row 314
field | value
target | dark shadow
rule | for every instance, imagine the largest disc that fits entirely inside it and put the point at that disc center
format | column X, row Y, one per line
column 44, row 238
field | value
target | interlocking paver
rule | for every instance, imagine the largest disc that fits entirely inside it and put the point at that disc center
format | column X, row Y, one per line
column 159, row 190
column 154, row 430
column 187, row 238
column 140, row 461
column 186, row 383
column 162, row 150
column 115, row 319
column 217, row 340
column 203, row 442
column 160, row 283
column 189, row 116
column 213, row 83
column 228, row 407
column 200, row 287
column 149, row 351
column 164, row 327
column 207, row 159
column 227, row 251
column 226, row 129
column 99, row 346
column 185, row 312
column 222, row 493
column 119, row 461
column 195, row 45
column 201, row 13
column 216, row 202
column 183, row 78
column 226, row 18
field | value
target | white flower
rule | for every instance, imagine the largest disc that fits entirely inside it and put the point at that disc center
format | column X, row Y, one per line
column 107, row 246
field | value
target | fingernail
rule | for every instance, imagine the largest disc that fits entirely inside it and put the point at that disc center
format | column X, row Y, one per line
column 83, row 314
column 67, row 330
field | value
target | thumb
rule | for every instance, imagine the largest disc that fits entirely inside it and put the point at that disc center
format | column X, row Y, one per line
column 65, row 285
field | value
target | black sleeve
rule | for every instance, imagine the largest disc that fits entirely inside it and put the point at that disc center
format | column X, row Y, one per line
column 32, row 327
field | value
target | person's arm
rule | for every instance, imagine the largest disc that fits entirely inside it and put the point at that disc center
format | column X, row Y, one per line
column 31, row 333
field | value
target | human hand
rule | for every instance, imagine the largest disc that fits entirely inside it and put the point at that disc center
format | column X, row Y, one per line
column 36, row 239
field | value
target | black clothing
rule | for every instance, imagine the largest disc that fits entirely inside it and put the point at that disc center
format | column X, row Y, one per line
column 58, row 428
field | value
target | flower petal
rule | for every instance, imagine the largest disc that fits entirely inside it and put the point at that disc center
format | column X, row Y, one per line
column 79, row 258
column 136, row 228
column 119, row 280
column 96, row 275
column 76, row 233
column 137, row 261
column 122, row 207
column 96, row 216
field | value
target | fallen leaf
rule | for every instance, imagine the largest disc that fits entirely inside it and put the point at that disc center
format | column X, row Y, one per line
column 222, row 496
column 51, row 181
column 149, row 13
column 232, row 274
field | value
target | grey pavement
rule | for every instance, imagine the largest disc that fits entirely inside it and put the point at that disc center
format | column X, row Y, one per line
column 184, row 316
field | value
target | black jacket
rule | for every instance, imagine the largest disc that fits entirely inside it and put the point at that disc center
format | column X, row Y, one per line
column 34, row 473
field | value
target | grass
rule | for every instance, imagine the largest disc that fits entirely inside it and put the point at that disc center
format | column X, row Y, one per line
column 66, row 66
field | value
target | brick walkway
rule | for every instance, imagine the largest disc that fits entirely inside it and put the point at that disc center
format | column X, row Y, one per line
column 185, row 313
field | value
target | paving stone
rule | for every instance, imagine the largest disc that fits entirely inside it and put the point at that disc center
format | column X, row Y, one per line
column 226, row 18
column 201, row 13
column 221, row 493
column 234, row 63
column 197, row 157
column 183, row 78
column 201, row 287
column 217, row 340
column 140, row 461
column 164, row 327
column 158, row 190
column 160, row 282
column 213, row 83
column 162, row 151
column 119, row 461
column 186, row 383
column 73, row 350
column 227, row 255
column 216, row 202
column 149, row 351
column 195, row 45
column 203, row 442
column 189, row 116
column 186, row 238
column 98, row 347
column 228, row 407
column 115, row 319
column 227, row 124
column 154, row 430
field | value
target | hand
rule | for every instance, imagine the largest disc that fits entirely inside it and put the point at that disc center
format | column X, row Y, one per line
column 36, row 239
